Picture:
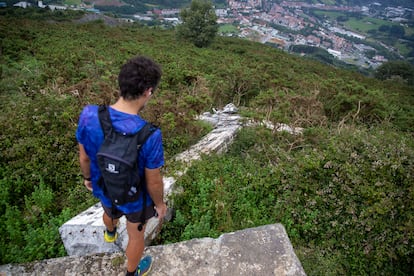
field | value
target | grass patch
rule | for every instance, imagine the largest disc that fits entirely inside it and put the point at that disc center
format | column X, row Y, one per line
column 403, row 48
column 228, row 28
column 366, row 24
column 72, row 2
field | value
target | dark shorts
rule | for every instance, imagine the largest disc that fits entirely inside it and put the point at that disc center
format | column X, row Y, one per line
column 132, row 217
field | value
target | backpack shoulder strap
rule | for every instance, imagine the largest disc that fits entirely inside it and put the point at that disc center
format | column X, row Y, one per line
column 106, row 123
column 105, row 119
column 144, row 133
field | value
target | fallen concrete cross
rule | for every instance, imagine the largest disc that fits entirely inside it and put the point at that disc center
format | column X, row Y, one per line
column 264, row 250
column 83, row 234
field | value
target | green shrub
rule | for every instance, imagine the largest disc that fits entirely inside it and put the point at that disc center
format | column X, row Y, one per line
column 344, row 196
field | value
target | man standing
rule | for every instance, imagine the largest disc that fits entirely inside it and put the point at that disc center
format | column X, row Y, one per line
column 137, row 80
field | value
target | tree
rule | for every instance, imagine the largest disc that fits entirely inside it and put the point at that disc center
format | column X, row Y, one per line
column 393, row 69
column 397, row 31
column 384, row 28
column 199, row 23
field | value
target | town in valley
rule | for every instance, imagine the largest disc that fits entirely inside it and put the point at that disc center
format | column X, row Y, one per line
column 292, row 25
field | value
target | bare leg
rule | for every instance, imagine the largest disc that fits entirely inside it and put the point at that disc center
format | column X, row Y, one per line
column 136, row 245
column 109, row 222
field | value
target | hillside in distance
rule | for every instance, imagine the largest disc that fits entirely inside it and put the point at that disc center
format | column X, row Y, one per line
column 358, row 35
column 355, row 37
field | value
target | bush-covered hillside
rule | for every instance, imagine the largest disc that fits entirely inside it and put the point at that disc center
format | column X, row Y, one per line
column 344, row 189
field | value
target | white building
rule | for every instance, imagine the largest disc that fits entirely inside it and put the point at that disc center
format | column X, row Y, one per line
column 56, row 7
column 143, row 18
column 22, row 4
column 40, row 4
column 335, row 53
column 221, row 12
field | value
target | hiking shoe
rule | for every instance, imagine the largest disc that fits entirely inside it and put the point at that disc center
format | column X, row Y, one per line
column 144, row 266
column 110, row 237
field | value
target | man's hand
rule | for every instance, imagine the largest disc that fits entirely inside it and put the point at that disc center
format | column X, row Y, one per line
column 155, row 188
column 85, row 167
column 161, row 210
column 88, row 184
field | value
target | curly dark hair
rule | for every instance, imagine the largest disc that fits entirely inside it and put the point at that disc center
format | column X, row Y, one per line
column 137, row 75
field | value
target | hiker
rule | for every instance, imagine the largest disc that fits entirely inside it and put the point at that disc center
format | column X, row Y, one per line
column 138, row 80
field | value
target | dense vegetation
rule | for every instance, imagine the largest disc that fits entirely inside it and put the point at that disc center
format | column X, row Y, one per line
column 344, row 196
column 396, row 69
column 343, row 190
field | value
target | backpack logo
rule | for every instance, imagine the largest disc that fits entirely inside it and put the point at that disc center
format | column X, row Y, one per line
column 111, row 168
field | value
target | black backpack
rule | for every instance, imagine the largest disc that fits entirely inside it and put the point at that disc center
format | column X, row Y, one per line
column 118, row 161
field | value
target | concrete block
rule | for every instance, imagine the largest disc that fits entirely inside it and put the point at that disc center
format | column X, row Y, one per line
column 264, row 250
column 83, row 234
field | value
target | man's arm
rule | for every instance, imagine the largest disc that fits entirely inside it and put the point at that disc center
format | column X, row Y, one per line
column 155, row 186
column 85, row 167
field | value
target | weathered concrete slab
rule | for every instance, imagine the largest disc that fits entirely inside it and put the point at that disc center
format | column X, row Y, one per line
column 264, row 250
column 226, row 124
column 83, row 234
